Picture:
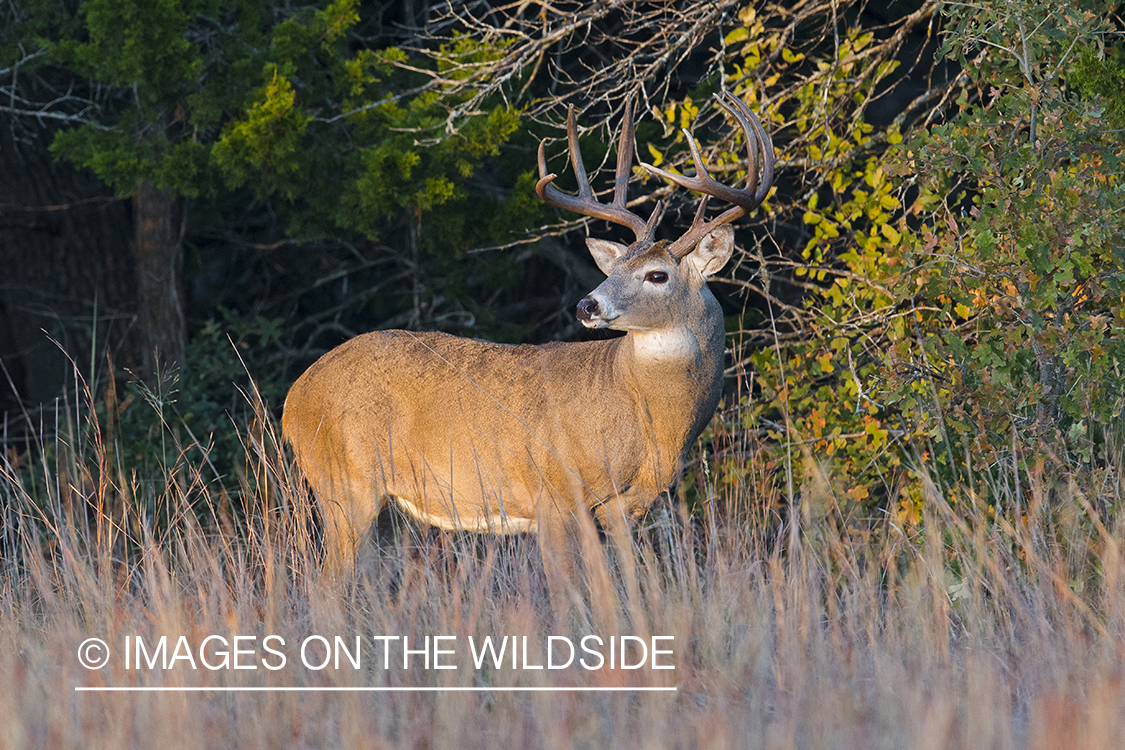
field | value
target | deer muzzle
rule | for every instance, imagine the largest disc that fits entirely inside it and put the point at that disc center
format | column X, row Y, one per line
column 587, row 309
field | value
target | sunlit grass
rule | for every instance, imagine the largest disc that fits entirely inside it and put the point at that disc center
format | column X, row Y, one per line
column 991, row 624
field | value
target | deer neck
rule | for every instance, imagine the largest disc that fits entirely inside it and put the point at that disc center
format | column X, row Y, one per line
column 676, row 375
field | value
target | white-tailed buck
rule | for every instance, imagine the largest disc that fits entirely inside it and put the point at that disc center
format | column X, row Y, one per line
column 467, row 434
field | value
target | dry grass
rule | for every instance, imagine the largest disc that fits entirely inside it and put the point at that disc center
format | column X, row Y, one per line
column 973, row 629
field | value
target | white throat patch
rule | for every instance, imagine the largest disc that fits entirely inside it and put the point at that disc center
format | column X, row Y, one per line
column 677, row 343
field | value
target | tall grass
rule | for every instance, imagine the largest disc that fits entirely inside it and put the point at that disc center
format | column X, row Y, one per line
column 989, row 624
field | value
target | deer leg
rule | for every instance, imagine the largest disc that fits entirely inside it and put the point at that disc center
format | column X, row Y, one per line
column 617, row 514
column 560, row 537
column 348, row 512
column 558, row 563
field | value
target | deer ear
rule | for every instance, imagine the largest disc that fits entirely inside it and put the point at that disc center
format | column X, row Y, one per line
column 605, row 253
column 713, row 251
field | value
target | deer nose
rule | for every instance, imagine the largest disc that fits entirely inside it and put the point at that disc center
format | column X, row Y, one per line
column 587, row 309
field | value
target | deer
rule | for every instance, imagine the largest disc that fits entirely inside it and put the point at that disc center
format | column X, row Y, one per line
column 471, row 435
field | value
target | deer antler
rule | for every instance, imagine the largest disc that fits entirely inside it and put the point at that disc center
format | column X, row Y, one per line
column 585, row 203
column 745, row 200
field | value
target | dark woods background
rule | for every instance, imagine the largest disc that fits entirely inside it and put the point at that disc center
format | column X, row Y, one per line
column 199, row 192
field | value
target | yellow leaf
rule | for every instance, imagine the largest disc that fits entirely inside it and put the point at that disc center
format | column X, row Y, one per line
column 738, row 35
column 963, row 310
column 858, row 493
column 887, row 231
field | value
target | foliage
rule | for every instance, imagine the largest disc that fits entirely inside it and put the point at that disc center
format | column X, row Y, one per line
column 291, row 110
column 935, row 321
column 816, row 389
column 275, row 98
column 1100, row 74
column 199, row 423
column 812, row 346
column 1016, row 273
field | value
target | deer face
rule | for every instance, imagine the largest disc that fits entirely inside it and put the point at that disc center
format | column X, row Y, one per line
column 656, row 286
column 650, row 289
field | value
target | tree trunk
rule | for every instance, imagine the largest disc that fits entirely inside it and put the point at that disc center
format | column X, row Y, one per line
column 159, row 258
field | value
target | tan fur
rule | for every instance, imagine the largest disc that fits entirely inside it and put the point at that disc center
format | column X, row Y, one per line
column 490, row 437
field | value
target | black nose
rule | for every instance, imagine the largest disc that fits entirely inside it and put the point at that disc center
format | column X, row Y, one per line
column 587, row 309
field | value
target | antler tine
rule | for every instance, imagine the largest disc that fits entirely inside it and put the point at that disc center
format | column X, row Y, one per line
column 584, row 190
column 745, row 200
column 747, row 118
column 585, row 203
column 625, row 151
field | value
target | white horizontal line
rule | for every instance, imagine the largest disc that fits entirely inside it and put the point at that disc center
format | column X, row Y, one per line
column 136, row 689
column 375, row 689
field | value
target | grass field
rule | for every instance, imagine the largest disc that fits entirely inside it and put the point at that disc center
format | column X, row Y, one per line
column 976, row 628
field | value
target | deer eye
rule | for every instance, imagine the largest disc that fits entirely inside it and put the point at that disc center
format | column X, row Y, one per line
column 656, row 277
